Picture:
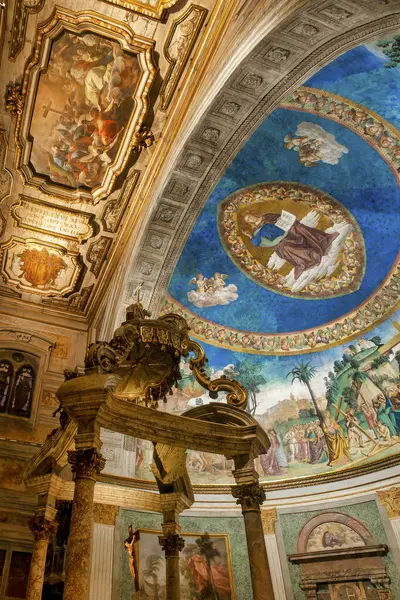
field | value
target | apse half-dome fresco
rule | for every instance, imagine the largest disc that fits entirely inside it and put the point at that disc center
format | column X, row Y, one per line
column 290, row 279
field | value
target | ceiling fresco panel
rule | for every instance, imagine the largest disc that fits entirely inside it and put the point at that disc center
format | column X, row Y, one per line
column 85, row 93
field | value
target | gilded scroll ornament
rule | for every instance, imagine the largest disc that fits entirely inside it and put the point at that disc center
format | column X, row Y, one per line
column 178, row 47
column 14, row 98
column 143, row 139
column 237, row 395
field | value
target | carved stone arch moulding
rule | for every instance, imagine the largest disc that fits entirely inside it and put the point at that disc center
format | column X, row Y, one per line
column 151, row 8
column 52, row 67
column 236, row 116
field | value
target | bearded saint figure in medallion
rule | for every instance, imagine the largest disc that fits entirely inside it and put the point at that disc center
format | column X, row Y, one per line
column 296, row 242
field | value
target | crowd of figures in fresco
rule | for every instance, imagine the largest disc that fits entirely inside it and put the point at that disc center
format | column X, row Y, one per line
column 355, row 418
column 341, row 413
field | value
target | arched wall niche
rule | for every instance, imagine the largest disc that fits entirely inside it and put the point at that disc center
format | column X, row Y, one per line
column 38, row 348
column 327, row 518
column 202, row 161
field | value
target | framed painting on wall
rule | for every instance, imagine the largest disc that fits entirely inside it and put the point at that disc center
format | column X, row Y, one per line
column 205, row 567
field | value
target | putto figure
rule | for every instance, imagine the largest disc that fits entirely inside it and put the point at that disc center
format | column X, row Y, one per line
column 212, row 291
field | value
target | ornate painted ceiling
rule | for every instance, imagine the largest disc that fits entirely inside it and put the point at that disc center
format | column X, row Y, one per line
column 85, row 97
column 248, row 182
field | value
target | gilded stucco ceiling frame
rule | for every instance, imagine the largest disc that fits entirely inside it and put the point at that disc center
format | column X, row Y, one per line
column 236, row 113
column 64, row 20
column 157, row 12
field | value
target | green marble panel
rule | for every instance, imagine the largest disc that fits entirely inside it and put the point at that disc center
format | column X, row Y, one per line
column 366, row 512
column 233, row 526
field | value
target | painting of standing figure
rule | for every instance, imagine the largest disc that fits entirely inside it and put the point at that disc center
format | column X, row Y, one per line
column 205, row 567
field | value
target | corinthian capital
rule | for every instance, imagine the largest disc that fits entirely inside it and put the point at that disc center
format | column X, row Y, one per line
column 42, row 528
column 86, row 464
column 171, row 543
column 250, row 496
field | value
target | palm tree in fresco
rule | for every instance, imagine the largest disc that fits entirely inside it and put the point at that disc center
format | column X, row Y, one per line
column 153, row 566
column 304, row 372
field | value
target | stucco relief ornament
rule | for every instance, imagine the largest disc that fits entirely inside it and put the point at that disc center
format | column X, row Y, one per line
column 171, row 543
column 143, row 139
column 14, row 98
column 391, row 501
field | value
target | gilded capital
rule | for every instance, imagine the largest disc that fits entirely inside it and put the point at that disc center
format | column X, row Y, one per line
column 250, row 496
column 42, row 528
column 86, row 464
column 390, row 499
column 171, row 543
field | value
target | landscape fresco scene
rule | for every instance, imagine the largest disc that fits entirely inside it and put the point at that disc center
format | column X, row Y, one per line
column 322, row 411
column 82, row 108
column 205, row 567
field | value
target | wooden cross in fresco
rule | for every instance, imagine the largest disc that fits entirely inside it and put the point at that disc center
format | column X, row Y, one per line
column 339, row 411
column 47, row 108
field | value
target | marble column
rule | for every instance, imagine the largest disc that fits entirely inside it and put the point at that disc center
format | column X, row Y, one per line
column 86, row 464
column 43, row 530
column 172, row 544
column 172, row 504
column 250, row 495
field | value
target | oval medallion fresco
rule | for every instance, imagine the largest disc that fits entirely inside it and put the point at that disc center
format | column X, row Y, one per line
column 293, row 239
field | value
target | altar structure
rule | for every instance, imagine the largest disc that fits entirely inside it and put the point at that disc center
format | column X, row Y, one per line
column 121, row 388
